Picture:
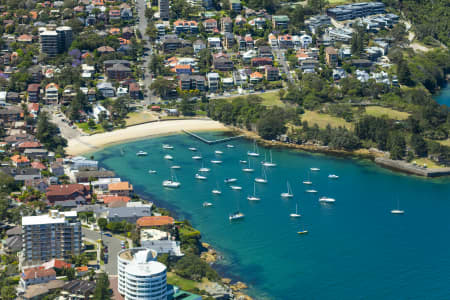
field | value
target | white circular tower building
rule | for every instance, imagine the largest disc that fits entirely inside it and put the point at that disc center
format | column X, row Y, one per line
column 140, row 276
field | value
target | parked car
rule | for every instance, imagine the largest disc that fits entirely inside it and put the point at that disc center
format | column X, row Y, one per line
column 108, row 234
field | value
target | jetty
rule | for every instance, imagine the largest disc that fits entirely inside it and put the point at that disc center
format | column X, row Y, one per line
column 214, row 141
column 400, row 165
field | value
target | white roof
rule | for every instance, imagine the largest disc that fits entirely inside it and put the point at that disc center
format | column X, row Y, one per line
column 57, row 218
column 49, row 33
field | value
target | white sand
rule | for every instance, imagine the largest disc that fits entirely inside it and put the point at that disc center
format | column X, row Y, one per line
column 83, row 144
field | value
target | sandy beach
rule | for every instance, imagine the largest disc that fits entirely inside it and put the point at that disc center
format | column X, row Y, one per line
column 83, row 144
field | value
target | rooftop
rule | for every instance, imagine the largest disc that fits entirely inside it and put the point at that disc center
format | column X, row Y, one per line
column 53, row 217
column 155, row 221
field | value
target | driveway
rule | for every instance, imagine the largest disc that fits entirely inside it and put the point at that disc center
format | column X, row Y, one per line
column 113, row 248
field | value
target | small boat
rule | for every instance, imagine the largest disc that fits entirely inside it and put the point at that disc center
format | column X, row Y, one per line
column 333, row 176
column 236, row 187
column 296, row 214
column 207, row 204
column 308, row 182
column 201, row 177
column 167, row 146
column 218, row 152
column 327, row 200
column 236, row 216
column 248, row 169
column 204, row 169
column 289, row 193
column 175, row 167
column 311, row 191
column 141, row 153
column 397, row 211
column 315, row 169
column 152, row 171
column 192, row 148
column 216, row 161
column 267, row 163
column 262, row 179
column 168, row 157
column 230, row 146
column 171, row 184
column 230, row 180
column 243, row 161
column 255, row 152
column 196, row 157
column 216, row 192
column 253, row 197
column 303, row 232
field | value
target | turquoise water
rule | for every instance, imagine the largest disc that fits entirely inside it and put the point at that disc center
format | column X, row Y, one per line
column 443, row 97
column 355, row 248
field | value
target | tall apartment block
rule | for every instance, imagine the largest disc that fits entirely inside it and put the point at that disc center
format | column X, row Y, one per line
column 54, row 235
column 57, row 41
column 163, row 9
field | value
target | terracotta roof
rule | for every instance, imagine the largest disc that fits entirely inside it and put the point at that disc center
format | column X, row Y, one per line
column 120, row 186
column 109, row 199
column 52, row 84
column 134, row 87
column 37, row 272
column 29, row 145
column 65, row 189
column 25, row 38
column 56, row 263
column 105, row 49
column 256, row 75
column 34, row 87
column 19, row 159
column 82, row 269
column 155, row 221
column 114, row 31
column 38, row 165
column 33, row 107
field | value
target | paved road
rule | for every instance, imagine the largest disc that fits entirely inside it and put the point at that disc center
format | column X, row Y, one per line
column 113, row 248
column 142, row 26
column 66, row 131
column 282, row 60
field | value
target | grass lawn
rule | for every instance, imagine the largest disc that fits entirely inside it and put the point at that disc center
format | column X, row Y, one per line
column 272, row 99
column 84, row 126
column 184, row 284
column 134, row 118
column 322, row 120
column 445, row 142
column 430, row 164
column 378, row 111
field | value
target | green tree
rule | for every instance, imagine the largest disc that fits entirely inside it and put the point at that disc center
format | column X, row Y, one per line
column 419, row 145
column 102, row 290
column 396, row 145
column 272, row 124
column 8, row 292
column 187, row 107
column 48, row 134
column 102, row 223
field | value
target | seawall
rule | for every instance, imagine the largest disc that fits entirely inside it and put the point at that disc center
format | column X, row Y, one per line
column 410, row 168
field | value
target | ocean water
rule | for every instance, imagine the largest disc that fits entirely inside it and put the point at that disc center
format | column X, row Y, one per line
column 355, row 249
column 443, row 97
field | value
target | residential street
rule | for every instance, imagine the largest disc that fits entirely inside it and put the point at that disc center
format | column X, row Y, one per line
column 113, row 248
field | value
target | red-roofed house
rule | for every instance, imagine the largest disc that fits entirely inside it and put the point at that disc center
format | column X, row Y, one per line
column 34, row 109
column 109, row 199
column 38, row 165
column 134, row 90
column 123, row 188
column 25, row 38
column 20, row 161
column 256, row 77
column 155, row 221
column 33, row 91
column 56, row 264
column 29, row 145
column 36, row 275
column 65, row 192
column 261, row 61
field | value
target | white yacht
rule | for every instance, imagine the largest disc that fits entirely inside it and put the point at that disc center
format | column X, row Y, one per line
column 248, row 169
column 236, row 187
column 262, row 179
column 333, row 176
column 243, row 161
column 152, row 171
column 215, row 161
column 192, row 148
column 315, row 169
column 255, row 151
column 167, row 146
column 289, row 193
column 296, row 214
column 397, row 211
column 204, row 169
column 171, row 183
column 267, row 163
column 216, row 192
column 207, row 204
column 218, row 152
column 196, row 157
column 327, row 200
column 141, row 153
column 308, row 182
column 253, row 197
column 230, row 146
column 175, row 167
column 311, row 191
column 200, row 177
column 236, row 216
column 230, row 180
column 168, row 157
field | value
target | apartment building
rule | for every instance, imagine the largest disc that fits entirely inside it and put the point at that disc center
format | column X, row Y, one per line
column 57, row 41
column 163, row 9
column 54, row 235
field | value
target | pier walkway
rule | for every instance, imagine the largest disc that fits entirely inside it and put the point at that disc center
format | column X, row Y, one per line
column 212, row 142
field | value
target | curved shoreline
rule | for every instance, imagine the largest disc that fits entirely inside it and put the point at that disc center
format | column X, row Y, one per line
column 89, row 143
